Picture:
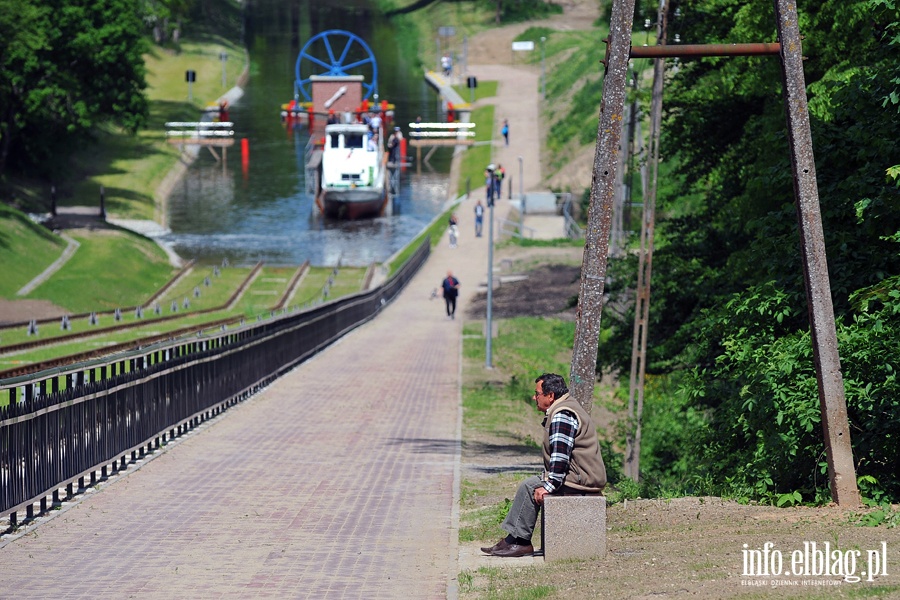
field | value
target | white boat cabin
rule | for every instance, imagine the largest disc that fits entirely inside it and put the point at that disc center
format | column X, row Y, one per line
column 352, row 157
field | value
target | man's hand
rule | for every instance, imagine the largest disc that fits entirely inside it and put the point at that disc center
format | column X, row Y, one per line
column 539, row 494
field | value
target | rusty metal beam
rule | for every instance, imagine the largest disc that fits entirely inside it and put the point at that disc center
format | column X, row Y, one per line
column 583, row 373
column 701, row 50
column 832, row 403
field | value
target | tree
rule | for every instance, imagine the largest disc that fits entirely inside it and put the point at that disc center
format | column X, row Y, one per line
column 164, row 16
column 69, row 66
column 22, row 37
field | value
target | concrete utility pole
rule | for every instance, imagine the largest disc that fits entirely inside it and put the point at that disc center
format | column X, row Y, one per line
column 583, row 373
column 832, row 403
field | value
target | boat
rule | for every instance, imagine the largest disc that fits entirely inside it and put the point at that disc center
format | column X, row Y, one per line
column 353, row 171
column 346, row 163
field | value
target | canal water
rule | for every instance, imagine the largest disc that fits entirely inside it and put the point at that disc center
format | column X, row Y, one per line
column 263, row 213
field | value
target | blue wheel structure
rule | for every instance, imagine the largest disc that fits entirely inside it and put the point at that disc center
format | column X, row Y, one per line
column 336, row 53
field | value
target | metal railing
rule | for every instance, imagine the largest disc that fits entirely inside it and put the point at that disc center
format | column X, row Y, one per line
column 61, row 426
column 515, row 229
column 573, row 230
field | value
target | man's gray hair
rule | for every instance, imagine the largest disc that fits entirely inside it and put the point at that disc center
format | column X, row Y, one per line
column 553, row 384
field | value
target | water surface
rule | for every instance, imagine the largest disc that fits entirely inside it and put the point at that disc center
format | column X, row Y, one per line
column 221, row 210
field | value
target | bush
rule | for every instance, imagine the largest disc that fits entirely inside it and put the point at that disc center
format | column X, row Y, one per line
column 763, row 439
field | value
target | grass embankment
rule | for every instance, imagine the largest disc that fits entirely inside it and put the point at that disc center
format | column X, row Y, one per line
column 435, row 231
column 114, row 269
column 188, row 296
column 574, row 89
column 485, row 89
column 205, row 288
column 111, row 269
column 478, row 156
column 26, row 249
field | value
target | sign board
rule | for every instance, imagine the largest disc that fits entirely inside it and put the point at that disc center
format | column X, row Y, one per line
column 472, row 82
column 522, row 46
column 190, row 76
column 446, row 31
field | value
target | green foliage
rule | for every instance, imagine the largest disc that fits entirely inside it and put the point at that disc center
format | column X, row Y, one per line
column 763, row 439
column 625, row 489
column 733, row 382
column 880, row 510
column 164, row 17
column 73, row 65
column 572, row 64
column 487, row 522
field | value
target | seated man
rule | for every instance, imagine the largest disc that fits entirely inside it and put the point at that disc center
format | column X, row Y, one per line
column 572, row 464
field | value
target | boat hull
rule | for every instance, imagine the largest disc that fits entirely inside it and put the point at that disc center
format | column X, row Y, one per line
column 353, row 203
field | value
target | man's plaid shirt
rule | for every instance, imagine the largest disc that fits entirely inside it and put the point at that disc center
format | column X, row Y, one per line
column 563, row 428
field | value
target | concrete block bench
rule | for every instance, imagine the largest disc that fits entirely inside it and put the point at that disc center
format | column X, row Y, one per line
column 573, row 527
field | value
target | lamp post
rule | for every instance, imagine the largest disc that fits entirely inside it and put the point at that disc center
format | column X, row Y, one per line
column 488, row 363
column 465, row 59
column 223, row 56
column 543, row 71
column 521, row 201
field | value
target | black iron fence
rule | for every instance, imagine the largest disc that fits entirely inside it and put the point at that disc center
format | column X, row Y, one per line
column 60, row 427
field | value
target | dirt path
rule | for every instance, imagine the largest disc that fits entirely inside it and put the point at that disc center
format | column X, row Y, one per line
column 493, row 48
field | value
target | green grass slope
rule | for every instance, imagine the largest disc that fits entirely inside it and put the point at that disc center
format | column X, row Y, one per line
column 26, row 249
column 111, row 269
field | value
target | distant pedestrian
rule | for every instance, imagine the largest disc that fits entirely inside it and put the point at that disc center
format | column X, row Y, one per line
column 453, row 230
column 505, row 131
column 447, row 65
column 451, row 291
column 479, row 218
column 375, row 123
column 394, row 143
column 489, row 184
column 499, row 174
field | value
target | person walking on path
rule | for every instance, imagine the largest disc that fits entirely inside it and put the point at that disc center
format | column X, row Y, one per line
column 505, row 131
column 451, row 291
column 453, row 230
column 479, row 218
column 573, row 464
